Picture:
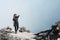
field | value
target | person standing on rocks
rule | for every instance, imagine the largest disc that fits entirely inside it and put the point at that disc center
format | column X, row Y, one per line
column 15, row 20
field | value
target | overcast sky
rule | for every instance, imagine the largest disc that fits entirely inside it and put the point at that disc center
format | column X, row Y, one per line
column 36, row 15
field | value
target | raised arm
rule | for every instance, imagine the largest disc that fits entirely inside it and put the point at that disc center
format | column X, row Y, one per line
column 17, row 16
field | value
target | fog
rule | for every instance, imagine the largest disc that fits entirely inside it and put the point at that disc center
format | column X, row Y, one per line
column 36, row 15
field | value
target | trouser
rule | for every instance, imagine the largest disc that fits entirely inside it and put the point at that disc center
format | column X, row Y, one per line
column 16, row 27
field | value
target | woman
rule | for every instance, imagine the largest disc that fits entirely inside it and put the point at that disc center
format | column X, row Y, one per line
column 15, row 20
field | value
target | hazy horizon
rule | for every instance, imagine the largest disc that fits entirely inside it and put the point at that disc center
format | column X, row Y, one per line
column 36, row 15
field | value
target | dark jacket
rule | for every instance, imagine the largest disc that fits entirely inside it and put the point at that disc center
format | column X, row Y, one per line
column 15, row 19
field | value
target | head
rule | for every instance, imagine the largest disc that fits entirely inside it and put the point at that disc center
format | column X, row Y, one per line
column 14, row 15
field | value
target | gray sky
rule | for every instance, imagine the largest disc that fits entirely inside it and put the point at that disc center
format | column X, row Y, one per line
column 36, row 15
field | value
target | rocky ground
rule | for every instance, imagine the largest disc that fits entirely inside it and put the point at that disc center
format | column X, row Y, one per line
column 22, row 34
column 8, row 34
